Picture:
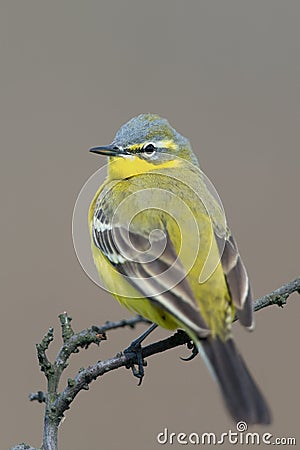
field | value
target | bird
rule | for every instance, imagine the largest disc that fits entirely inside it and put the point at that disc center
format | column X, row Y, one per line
column 161, row 244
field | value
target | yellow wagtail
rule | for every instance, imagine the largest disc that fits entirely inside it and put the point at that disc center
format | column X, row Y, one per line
column 161, row 244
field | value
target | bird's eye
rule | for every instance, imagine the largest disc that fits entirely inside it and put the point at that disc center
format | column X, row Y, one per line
column 149, row 149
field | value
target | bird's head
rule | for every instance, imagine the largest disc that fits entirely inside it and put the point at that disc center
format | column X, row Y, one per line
column 147, row 142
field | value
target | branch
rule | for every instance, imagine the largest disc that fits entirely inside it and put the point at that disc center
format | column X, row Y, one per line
column 57, row 403
column 81, row 381
column 279, row 296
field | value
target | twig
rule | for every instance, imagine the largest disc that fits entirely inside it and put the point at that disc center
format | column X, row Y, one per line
column 279, row 296
column 131, row 323
column 38, row 396
column 23, row 447
column 57, row 403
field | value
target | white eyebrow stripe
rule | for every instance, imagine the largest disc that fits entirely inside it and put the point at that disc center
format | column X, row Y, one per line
column 166, row 143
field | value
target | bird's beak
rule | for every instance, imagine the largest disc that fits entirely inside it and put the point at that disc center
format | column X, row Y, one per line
column 108, row 150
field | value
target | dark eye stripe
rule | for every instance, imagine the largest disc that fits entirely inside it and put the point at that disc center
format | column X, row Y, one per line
column 148, row 149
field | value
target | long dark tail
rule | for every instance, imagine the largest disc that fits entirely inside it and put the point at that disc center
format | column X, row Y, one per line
column 241, row 394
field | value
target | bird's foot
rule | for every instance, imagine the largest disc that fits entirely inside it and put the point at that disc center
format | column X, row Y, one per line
column 136, row 363
column 134, row 353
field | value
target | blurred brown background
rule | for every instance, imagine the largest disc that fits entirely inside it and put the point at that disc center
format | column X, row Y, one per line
column 225, row 74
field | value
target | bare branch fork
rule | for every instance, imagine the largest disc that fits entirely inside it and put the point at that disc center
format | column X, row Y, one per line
column 56, row 403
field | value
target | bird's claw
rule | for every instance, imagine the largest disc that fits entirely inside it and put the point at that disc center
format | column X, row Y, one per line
column 194, row 353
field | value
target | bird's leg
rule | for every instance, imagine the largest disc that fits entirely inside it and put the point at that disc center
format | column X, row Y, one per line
column 134, row 352
column 194, row 353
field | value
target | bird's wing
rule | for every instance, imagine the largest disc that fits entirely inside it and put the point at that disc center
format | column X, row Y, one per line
column 237, row 279
column 153, row 268
column 232, row 264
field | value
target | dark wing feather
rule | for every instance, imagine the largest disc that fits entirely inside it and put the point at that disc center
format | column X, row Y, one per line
column 237, row 280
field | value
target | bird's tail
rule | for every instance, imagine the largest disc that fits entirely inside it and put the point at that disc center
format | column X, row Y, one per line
column 240, row 392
